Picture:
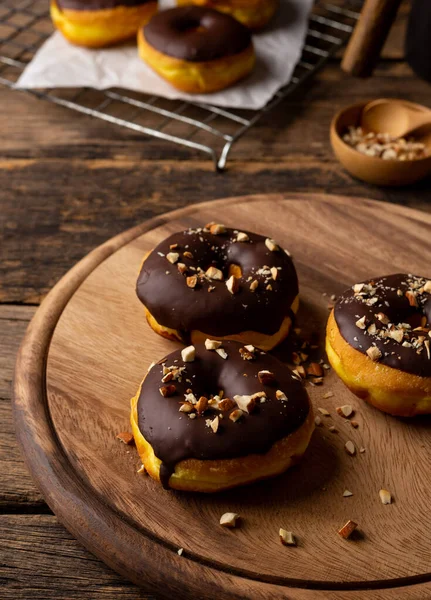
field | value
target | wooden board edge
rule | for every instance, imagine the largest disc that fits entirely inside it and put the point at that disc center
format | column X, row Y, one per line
column 46, row 460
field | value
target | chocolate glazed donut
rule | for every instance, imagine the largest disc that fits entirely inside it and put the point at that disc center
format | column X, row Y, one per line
column 222, row 283
column 380, row 329
column 197, row 49
column 99, row 23
column 224, row 417
column 254, row 14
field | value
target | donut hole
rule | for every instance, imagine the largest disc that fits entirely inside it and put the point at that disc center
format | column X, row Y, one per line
column 191, row 26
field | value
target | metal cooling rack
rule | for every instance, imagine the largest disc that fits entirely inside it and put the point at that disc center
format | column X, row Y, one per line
column 25, row 25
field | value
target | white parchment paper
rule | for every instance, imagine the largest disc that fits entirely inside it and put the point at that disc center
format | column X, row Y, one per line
column 278, row 49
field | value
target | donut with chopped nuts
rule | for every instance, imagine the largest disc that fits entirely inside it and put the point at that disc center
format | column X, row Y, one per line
column 204, row 419
column 378, row 341
column 221, row 283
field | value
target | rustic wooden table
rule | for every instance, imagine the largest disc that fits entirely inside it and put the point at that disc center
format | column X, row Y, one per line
column 69, row 183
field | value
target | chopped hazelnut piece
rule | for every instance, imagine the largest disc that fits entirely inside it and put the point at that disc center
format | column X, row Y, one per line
column 229, row 520
column 235, row 415
column 317, row 421
column 232, row 285
column 212, row 344
column 374, row 353
column 357, row 288
column 372, row 329
column 281, row 396
column 180, row 551
column 226, row 404
column 126, row 437
column 427, row 286
column 324, row 412
column 168, row 390
column 266, row 377
column 214, row 424
column 315, row 369
column 250, row 348
column 246, row 354
column 172, row 257
column 192, row 281
column 301, row 371
column 354, row 424
column 347, row 529
column 192, row 415
column 173, row 246
column 347, row 494
column 188, row 254
column 188, row 354
column 349, row 446
column 385, row 497
column 201, row 405
column 235, row 270
column 345, row 411
column 287, row 538
column 411, row 297
column 397, row 335
column 271, row 245
column 254, row 285
column 361, row 323
column 382, row 318
column 217, row 229
column 186, row 407
column 222, row 352
column 274, row 273
column 242, row 237
column 245, row 403
column 213, row 273
column 182, row 268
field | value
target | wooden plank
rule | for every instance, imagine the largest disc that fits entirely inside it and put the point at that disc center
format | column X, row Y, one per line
column 40, row 560
column 34, row 129
column 90, row 480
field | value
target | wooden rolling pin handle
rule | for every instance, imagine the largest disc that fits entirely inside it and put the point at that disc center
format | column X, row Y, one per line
column 371, row 31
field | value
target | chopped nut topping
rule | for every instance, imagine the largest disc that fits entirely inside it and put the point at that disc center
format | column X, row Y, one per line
column 217, row 229
column 374, row 353
column 214, row 424
column 213, row 273
column 245, row 403
column 212, row 344
column 246, row 354
column 192, row 281
column 188, row 354
column 347, row 529
column 315, row 369
column 232, row 285
column 271, row 245
column 397, row 335
column 357, row 288
column 427, row 286
column 192, row 415
column 182, row 268
column 385, row 497
column 266, row 377
column 222, row 352
column 254, row 285
column 349, row 446
column 126, row 437
column 172, row 257
column 188, row 254
column 345, row 411
column 274, row 273
column 411, row 297
column 324, row 412
column 382, row 318
column 300, row 370
column 235, row 415
column 229, row 520
column 242, row 237
column 281, row 396
column 383, row 145
column 361, row 323
column 287, row 538
column 226, row 404
column 201, row 405
column 186, row 407
column 347, row 494
column 180, row 551
column 168, row 390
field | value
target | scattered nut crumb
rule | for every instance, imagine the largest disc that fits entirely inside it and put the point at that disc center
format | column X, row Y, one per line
column 271, row 245
column 362, row 450
column 192, row 281
column 347, row 529
column 188, row 354
column 324, row 412
column 214, row 273
column 172, row 257
column 180, row 551
column 317, row 421
column 245, row 403
column 222, row 352
column 315, row 369
column 126, row 437
column 345, row 411
column 327, row 395
column 229, row 520
column 350, row 448
column 254, row 285
column 332, row 429
column 242, row 237
column 142, row 470
column 385, row 497
column 266, row 377
column 354, row 424
column 374, row 353
column 281, row 396
column 235, row 415
column 232, row 285
column 212, row 344
column 214, row 424
column 347, row 493
column 287, row 538
column 168, row 390
column 217, row 229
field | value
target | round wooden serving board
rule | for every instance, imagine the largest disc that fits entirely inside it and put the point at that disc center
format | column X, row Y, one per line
column 85, row 353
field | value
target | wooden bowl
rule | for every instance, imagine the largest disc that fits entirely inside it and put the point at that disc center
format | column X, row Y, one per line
column 372, row 169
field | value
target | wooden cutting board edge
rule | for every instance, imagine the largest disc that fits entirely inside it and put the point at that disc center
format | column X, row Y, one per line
column 140, row 557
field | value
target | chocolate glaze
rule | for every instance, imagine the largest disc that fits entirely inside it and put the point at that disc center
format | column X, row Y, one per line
column 196, row 34
column 175, row 437
column 218, row 313
column 97, row 4
column 350, row 307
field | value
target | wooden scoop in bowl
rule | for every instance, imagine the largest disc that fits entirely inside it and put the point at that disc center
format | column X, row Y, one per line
column 398, row 118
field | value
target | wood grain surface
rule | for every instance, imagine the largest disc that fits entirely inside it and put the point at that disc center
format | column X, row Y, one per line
column 91, row 333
